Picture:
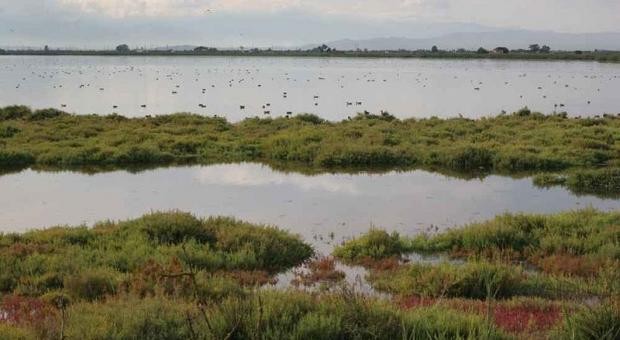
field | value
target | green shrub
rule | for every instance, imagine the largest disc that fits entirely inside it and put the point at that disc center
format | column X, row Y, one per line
column 9, row 158
column 91, row 285
column 376, row 244
column 14, row 112
column 46, row 114
column 175, row 228
column 549, row 180
column 606, row 181
column 8, row 131
column 470, row 158
column 310, row 118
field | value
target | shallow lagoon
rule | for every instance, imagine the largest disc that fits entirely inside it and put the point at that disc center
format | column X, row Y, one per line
column 324, row 209
column 404, row 87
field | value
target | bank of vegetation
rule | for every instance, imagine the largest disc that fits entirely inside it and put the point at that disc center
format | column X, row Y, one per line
column 537, row 276
column 174, row 276
column 581, row 153
column 327, row 52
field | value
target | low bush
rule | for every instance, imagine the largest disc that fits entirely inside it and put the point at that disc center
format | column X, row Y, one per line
column 91, row 285
column 175, row 228
column 375, row 245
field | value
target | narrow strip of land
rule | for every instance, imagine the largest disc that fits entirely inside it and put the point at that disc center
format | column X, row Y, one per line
column 601, row 56
column 584, row 150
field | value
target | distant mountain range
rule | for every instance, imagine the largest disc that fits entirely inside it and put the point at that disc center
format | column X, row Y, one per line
column 513, row 39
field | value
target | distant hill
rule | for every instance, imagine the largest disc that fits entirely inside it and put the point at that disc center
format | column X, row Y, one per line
column 513, row 39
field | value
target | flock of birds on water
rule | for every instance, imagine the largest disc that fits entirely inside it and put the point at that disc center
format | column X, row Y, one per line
column 177, row 80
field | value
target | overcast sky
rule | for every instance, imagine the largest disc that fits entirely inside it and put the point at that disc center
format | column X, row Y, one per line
column 105, row 23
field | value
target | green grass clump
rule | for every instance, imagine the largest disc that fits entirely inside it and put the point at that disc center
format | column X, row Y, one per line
column 525, row 237
column 476, row 280
column 512, row 143
column 601, row 322
column 548, row 180
column 374, row 245
column 167, row 228
column 91, row 263
column 601, row 181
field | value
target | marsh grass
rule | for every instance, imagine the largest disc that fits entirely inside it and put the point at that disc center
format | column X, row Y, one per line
column 91, row 263
column 510, row 143
column 266, row 315
column 568, row 259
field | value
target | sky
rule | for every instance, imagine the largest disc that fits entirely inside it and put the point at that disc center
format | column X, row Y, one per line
column 280, row 23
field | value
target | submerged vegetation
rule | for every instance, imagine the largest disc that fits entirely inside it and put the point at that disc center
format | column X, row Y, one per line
column 584, row 149
column 568, row 261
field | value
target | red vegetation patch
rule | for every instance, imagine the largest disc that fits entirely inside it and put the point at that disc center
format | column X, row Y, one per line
column 153, row 278
column 390, row 263
column 517, row 317
column 526, row 319
column 410, row 302
column 30, row 313
column 322, row 269
column 24, row 249
column 249, row 277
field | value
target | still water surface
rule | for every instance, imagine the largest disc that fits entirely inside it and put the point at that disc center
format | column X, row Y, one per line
column 313, row 206
column 324, row 86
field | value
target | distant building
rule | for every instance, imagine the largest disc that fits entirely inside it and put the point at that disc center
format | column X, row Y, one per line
column 501, row 50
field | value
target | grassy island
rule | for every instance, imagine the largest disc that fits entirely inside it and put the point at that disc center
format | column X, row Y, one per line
column 535, row 276
column 581, row 153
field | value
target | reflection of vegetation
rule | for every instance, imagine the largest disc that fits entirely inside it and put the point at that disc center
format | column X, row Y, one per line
column 173, row 276
column 560, row 259
column 601, row 182
column 523, row 142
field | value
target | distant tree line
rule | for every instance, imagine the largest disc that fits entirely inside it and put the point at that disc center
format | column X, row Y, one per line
column 534, row 51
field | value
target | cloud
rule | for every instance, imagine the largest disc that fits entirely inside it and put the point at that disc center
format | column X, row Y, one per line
column 103, row 23
column 251, row 175
column 174, row 8
column 563, row 15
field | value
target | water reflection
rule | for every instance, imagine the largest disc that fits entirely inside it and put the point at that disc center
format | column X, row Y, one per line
column 346, row 205
column 333, row 88
column 256, row 175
